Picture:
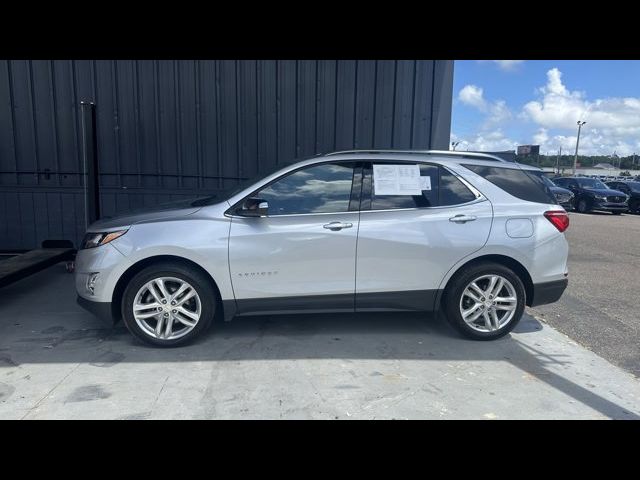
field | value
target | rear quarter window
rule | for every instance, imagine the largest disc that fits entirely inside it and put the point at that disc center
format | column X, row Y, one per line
column 519, row 183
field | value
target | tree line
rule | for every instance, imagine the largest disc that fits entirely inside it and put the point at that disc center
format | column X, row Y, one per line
column 631, row 162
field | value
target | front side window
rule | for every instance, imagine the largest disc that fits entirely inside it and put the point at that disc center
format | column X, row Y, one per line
column 324, row 188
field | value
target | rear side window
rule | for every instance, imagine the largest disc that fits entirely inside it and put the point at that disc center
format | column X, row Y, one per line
column 518, row 183
column 452, row 190
column 442, row 188
column 429, row 198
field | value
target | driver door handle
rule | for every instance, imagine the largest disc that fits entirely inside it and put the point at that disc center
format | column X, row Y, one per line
column 337, row 226
column 463, row 218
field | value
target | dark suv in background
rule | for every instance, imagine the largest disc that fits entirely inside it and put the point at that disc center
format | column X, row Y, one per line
column 563, row 196
column 591, row 194
column 631, row 189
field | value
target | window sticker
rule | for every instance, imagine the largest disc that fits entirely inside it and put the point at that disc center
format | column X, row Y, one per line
column 397, row 179
column 425, row 183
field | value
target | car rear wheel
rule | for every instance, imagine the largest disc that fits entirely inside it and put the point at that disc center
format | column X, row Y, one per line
column 582, row 206
column 168, row 305
column 485, row 302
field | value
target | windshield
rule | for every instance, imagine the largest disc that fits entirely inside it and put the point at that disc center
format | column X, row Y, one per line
column 231, row 191
column 547, row 181
column 634, row 186
column 591, row 183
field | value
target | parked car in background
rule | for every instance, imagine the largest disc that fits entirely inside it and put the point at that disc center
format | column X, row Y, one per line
column 591, row 194
column 470, row 234
column 632, row 190
column 563, row 196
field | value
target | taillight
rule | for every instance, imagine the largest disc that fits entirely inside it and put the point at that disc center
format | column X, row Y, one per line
column 559, row 219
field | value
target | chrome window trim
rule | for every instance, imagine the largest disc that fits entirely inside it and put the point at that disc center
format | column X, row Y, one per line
column 477, row 200
column 479, row 196
column 285, row 174
column 296, row 214
column 472, row 202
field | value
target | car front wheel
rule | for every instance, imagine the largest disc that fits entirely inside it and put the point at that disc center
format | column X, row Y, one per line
column 168, row 305
column 582, row 206
column 485, row 302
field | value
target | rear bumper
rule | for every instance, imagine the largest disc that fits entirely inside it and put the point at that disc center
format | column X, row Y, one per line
column 548, row 292
column 102, row 310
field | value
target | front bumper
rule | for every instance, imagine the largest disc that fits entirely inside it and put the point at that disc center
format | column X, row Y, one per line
column 610, row 207
column 548, row 292
column 107, row 264
column 102, row 310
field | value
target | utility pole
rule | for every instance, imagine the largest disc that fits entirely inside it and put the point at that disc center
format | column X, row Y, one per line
column 575, row 160
column 558, row 161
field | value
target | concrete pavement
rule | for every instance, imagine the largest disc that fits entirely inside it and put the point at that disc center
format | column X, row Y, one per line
column 57, row 361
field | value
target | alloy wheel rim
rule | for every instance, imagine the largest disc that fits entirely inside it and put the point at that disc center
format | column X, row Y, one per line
column 488, row 303
column 167, row 308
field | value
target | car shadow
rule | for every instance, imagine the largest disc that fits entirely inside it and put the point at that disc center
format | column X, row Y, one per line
column 56, row 330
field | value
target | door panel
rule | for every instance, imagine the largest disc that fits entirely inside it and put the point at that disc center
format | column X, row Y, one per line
column 302, row 255
column 291, row 256
column 412, row 250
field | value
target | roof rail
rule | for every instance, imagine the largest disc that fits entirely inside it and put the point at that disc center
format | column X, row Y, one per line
column 452, row 153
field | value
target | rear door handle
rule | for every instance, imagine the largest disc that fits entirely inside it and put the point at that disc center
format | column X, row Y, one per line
column 463, row 218
column 337, row 226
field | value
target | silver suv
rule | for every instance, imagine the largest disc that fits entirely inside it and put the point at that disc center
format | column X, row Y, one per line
column 350, row 231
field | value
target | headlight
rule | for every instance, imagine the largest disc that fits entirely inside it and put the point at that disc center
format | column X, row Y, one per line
column 600, row 197
column 92, row 240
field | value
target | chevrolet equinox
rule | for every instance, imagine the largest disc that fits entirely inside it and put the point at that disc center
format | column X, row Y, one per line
column 355, row 231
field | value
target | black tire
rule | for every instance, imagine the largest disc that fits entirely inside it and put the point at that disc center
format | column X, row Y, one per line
column 634, row 207
column 459, row 283
column 199, row 281
column 616, row 213
column 583, row 205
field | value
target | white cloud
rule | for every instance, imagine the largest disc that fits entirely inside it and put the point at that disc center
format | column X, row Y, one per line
column 508, row 65
column 496, row 112
column 494, row 141
column 613, row 123
column 541, row 137
column 473, row 96
column 505, row 65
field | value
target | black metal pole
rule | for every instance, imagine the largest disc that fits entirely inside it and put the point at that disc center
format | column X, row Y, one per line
column 90, row 162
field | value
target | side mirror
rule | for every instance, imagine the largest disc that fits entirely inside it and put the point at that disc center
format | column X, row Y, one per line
column 254, row 207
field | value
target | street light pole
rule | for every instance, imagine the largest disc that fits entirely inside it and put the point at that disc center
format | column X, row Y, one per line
column 575, row 160
column 454, row 145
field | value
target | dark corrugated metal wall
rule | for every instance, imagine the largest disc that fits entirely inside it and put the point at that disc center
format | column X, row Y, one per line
column 172, row 129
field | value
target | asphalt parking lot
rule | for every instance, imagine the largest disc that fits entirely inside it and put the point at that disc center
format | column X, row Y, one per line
column 599, row 309
column 57, row 361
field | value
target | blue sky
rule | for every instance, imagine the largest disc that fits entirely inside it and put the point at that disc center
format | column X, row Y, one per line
column 499, row 104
